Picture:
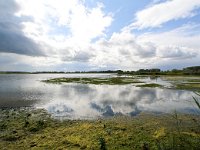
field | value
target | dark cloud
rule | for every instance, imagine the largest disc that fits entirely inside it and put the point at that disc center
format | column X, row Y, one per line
column 12, row 38
column 16, row 42
column 8, row 7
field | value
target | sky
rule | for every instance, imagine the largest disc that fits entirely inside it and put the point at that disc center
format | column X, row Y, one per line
column 84, row 35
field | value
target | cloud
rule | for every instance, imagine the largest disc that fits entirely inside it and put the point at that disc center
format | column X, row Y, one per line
column 77, row 23
column 175, row 48
column 175, row 52
column 126, row 43
column 79, row 56
column 181, row 42
column 8, row 7
column 12, row 42
column 62, row 31
column 65, row 29
column 187, row 35
column 18, row 62
column 122, row 50
column 66, row 34
column 12, row 38
column 128, row 50
column 160, row 13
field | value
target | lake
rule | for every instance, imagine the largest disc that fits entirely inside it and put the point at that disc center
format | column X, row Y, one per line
column 89, row 101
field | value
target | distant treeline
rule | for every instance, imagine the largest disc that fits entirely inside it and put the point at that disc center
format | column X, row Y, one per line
column 14, row 72
column 37, row 72
column 194, row 70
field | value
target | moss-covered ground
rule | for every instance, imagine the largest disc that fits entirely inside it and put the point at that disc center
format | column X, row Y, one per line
column 35, row 129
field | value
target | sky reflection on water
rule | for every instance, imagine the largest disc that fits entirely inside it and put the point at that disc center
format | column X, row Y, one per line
column 87, row 101
column 91, row 101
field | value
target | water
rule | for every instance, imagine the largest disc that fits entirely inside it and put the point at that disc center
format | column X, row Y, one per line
column 87, row 101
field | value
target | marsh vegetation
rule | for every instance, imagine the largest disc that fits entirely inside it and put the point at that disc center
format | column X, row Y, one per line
column 110, row 81
column 35, row 129
column 177, row 82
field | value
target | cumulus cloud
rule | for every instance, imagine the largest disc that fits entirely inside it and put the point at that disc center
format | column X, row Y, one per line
column 66, row 28
column 179, row 43
column 79, row 56
column 123, row 50
column 128, row 50
column 12, row 38
column 127, row 43
column 187, row 35
column 69, row 33
column 71, row 19
column 175, row 52
column 57, row 29
column 160, row 13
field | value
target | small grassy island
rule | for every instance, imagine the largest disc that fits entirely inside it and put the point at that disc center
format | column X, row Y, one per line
column 36, row 129
column 185, row 82
column 177, row 82
column 110, row 81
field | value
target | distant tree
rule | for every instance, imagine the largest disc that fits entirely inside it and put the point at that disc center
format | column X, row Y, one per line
column 192, row 70
column 119, row 71
column 155, row 70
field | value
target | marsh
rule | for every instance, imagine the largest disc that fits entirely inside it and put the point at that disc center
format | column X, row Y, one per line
column 77, row 100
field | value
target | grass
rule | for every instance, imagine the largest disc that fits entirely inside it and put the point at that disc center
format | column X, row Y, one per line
column 196, row 100
column 178, row 82
column 182, row 78
column 184, row 82
column 35, row 129
column 152, row 85
column 187, row 86
column 110, row 81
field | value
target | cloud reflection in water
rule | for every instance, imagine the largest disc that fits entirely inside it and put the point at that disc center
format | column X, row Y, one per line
column 92, row 101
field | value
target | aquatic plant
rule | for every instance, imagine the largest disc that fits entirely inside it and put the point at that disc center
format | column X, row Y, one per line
column 102, row 143
column 197, row 100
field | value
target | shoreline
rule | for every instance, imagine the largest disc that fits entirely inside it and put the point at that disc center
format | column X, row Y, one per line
column 36, row 129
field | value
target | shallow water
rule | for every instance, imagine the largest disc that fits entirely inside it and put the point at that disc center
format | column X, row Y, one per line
column 85, row 101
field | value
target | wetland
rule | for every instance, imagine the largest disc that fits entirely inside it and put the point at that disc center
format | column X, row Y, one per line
column 98, row 111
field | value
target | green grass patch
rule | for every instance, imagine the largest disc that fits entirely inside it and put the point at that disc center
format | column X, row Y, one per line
column 184, row 82
column 182, row 78
column 188, row 86
column 110, row 81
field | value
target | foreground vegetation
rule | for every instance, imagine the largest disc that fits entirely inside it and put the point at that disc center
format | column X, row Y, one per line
column 35, row 129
